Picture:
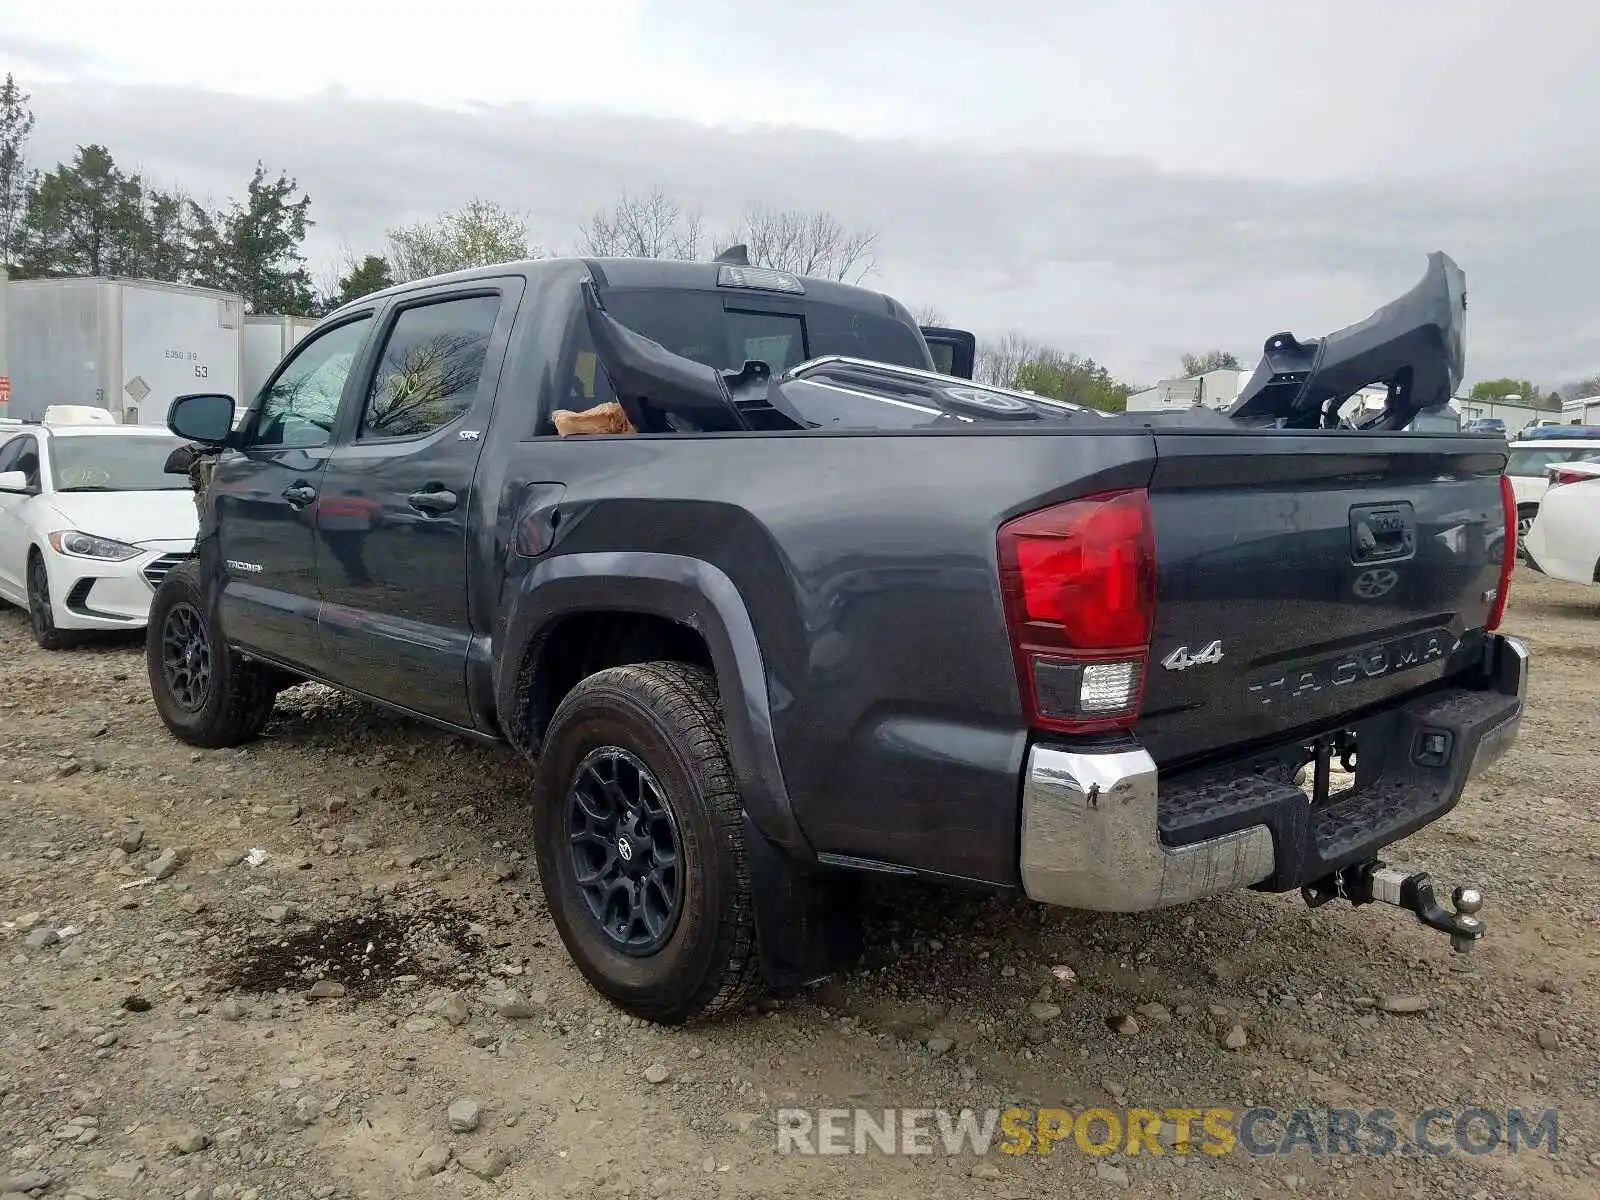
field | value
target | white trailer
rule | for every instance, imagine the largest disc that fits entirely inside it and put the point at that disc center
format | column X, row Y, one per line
column 267, row 338
column 129, row 346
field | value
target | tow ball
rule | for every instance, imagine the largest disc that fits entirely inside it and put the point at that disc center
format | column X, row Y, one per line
column 1363, row 883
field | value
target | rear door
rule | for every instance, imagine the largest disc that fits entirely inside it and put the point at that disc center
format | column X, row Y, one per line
column 265, row 493
column 397, row 500
column 1302, row 578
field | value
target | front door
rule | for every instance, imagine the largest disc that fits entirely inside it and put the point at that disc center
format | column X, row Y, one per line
column 397, row 502
column 265, row 493
column 19, row 454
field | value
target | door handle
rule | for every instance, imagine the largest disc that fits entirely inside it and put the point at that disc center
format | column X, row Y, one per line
column 299, row 495
column 432, row 503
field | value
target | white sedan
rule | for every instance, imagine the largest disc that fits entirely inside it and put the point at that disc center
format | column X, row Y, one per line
column 90, row 523
column 1565, row 539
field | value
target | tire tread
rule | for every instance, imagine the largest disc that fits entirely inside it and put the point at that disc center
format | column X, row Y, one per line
column 684, row 698
column 248, row 689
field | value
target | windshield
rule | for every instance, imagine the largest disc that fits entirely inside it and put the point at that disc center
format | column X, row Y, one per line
column 109, row 463
column 1530, row 463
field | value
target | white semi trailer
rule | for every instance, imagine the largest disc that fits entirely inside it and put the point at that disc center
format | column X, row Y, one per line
column 267, row 338
column 125, row 345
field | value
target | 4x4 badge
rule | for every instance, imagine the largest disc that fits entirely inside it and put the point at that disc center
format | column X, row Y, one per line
column 1181, row 660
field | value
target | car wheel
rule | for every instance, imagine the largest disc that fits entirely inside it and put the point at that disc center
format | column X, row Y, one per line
column 639, row 833
column 206, row 693
column 1526, row 515
column 41, row 616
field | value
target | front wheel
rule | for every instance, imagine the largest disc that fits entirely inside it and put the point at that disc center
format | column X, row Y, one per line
column 640, row 841
column 41, row 613
column 1526, row 514
column 207, row 693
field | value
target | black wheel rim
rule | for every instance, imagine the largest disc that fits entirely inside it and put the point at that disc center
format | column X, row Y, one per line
column 39, row 599
column 186, row 657
column 626, row 853
column 1524, row 523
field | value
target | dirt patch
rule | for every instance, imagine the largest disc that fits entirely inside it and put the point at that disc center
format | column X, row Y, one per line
column 366, row 952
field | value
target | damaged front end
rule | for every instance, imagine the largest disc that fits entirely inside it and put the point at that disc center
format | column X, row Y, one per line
column 1414, row 346
column 664, row 392
column 198, row 463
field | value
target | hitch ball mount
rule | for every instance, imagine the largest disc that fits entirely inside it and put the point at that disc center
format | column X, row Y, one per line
column 1363, row 883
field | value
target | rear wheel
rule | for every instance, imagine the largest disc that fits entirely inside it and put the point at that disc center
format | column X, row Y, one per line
column 1525, row 517
column 640, row 842
column 206, row 692
column 41, row 616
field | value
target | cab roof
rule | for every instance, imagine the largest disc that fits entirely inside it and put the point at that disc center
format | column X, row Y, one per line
column 653, row 273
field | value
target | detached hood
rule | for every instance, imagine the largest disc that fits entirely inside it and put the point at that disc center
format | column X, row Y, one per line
column 132, row 517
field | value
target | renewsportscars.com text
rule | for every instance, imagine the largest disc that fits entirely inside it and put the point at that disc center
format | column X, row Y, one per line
column 1258, row 1131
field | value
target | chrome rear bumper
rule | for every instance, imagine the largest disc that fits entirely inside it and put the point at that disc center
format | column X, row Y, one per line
column 1090, row 832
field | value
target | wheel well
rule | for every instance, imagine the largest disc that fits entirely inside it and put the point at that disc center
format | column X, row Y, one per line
column 574, row 647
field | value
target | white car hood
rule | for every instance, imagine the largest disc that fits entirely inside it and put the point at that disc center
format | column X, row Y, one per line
column 132, row 517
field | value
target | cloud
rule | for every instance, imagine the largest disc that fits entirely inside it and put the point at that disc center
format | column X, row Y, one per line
column 1112, row 256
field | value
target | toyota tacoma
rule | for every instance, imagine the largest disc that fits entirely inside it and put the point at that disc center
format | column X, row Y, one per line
column 814, row 611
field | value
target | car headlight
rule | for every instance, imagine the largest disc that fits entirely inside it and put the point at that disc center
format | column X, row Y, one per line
column 86, row 545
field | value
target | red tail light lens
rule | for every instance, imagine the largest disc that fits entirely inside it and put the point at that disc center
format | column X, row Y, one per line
column 1508, row 505
column 1560, row 476
column 1079, row 586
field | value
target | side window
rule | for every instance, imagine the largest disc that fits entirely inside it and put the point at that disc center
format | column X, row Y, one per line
column 22, row 454
column 299, row 407
column 429, row 370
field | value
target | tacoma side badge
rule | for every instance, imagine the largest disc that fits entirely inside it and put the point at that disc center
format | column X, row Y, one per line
column 1181, row 660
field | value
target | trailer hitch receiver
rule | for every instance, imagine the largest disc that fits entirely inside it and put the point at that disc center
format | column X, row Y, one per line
column 1364, row 883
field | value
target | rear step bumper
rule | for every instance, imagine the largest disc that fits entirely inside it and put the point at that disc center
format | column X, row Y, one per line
column 1101, row 831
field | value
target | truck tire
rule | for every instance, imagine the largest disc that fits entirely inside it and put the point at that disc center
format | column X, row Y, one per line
column 639, row 834
column 207, row 693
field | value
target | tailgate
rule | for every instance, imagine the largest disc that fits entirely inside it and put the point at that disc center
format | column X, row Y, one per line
column 1302, row 578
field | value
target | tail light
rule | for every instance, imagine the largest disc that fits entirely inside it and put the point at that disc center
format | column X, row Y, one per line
column 1508, row 507
column 1564, row 475
column 1079, row 586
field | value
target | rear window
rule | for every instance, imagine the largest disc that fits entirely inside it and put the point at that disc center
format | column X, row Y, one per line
column 1530, row 462
column 725, row 332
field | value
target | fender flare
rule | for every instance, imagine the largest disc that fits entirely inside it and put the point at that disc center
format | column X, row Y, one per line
column 693, row 593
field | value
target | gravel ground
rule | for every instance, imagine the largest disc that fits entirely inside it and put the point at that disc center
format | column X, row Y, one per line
column 168, row 915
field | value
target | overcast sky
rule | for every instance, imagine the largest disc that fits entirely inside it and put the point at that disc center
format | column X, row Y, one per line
column 1129, row 179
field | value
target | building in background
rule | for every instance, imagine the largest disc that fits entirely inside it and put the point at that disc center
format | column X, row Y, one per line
column 1517, row 414
column 1215, row 389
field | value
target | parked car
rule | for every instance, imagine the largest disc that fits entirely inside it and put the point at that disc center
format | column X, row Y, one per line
column 812, row 612
column 1485, row 425
column 1528, row 469
column 1565, row 539
column 89, row 525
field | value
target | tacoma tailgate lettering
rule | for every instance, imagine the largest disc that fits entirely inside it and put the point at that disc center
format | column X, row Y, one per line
column 1282, row 685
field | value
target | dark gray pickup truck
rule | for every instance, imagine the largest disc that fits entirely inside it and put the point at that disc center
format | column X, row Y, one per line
column 823, row 612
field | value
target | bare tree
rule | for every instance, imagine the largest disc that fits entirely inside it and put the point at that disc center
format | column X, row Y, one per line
column 998, row 362
column 648, row 226
column 1211, row 360
column 807, row 243
column 928, row 314
column 479, row 234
